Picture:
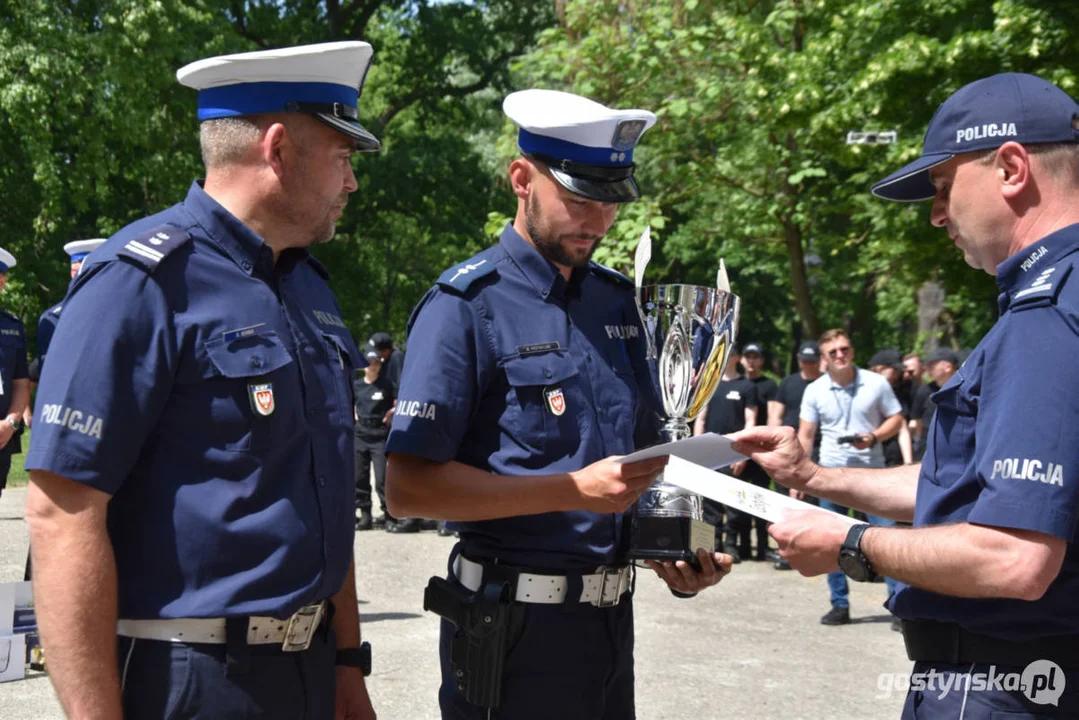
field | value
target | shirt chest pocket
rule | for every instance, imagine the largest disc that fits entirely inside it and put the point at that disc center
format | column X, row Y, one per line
column 545, row 403
column 251, row 392
column 342, row 369
column 951, row 433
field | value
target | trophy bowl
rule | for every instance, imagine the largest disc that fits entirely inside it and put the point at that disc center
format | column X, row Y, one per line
column 690, row 330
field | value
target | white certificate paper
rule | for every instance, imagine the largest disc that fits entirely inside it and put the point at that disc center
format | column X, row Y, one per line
column 757, row 501
column 708, row 450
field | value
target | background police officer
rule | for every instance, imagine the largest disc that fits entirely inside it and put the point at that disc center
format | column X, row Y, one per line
column 375, row 397
column 393, row 360
column 989, row 574
column 192, row 461
column 14, row 378
column 520, row 383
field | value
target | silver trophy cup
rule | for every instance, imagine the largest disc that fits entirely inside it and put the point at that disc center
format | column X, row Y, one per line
column 690, row 331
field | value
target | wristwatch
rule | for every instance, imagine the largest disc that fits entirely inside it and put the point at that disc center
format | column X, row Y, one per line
column 15, row 423
column 852, row 561
column 356, row 657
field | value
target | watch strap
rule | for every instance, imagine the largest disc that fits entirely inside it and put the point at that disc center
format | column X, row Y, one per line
column 355, row 657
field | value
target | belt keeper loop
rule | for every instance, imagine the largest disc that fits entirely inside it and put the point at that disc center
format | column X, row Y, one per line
column 237, row 652
column 574, row 587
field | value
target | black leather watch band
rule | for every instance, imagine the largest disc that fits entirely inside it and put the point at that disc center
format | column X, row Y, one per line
column 356, row 657
column 852, row 561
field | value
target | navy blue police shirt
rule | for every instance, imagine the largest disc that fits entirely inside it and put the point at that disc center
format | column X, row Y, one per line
column 512, row 370
column 13, row 365
column 46, row 327
column 208, row 391
column 1001, row 448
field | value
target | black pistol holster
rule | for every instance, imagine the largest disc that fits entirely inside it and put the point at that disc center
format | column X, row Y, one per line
column 478, row 648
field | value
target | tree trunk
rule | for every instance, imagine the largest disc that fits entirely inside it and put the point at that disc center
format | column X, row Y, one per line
column 799, row 281
column 930, row 305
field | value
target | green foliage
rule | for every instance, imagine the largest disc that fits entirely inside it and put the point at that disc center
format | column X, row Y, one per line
column 749, row 160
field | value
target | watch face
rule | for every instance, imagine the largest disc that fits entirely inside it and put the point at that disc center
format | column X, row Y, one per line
column 852, row 566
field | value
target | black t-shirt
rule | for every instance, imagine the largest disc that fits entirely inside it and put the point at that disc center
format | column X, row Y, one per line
column 727, row 408
column 373, row 401
column 923, row 408
column 790, row 393
column 766, row 390
column 391, row 369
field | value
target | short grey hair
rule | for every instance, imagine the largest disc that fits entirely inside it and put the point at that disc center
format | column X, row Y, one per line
column 1060, row 160
column 226, row 140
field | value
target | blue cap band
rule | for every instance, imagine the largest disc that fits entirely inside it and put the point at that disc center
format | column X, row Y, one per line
column 3, row 268
column 264, row 97
column 565, row 150
column 77, row 257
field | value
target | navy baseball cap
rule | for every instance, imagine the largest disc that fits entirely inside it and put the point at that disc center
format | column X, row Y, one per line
column 983, row 116
column 809, row 351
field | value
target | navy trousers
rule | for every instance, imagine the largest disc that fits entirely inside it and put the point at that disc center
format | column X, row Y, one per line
column 162, row 680
column 984, row 692
column 565, row 662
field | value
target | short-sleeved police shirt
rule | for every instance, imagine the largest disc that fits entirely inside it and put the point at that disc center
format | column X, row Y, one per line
column 13, row 365
column 1002, row 447
column 727, row 408
column 46, row 326
column 208, row 391
column 513, row 370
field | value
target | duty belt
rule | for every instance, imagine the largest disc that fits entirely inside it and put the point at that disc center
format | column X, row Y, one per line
column 293, row 633
column 375, row 422
column 948, row 643
column 602, row 588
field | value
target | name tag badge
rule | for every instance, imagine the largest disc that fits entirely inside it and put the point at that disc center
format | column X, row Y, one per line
column 555, row 399
column 238, row 333
column 262, row 401
column 536, row 348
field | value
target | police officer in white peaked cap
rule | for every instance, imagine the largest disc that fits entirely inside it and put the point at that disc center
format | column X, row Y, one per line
column 506, row 429
column 323, row 80
column 77, row 251
column 202, row 405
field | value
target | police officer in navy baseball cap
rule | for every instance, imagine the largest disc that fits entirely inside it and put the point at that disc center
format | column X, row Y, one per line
column 191, row 466
column 989, row 573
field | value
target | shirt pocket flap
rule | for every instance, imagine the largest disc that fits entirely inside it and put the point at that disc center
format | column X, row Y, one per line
column 344, row 348
column 547, row 369
column 249, row 356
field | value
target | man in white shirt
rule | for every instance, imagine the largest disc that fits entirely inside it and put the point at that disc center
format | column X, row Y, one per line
column 855, row 410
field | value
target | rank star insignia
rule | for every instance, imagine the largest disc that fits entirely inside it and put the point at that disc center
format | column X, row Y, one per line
column 556, row 401
column 262, row 398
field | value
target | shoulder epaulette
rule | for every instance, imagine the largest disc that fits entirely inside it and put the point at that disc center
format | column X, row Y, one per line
column 148, row 249
column 55, row 309
column 11, row 316
column 461, row 276
column 613, row 275
column 1044, row 289
column 319, row 267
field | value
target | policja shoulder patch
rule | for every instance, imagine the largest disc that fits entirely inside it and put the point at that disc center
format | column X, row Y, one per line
column 153, row 246
column 1043, row 289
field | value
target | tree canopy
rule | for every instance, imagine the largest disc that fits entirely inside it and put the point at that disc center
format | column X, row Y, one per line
column 750, row 160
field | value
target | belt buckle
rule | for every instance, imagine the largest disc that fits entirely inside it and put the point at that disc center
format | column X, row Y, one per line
column 606, row 573
column 301, row 628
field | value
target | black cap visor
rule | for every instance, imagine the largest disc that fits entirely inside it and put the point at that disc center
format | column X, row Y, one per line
column 595, row 182
column 365, row 141
column 911, row 182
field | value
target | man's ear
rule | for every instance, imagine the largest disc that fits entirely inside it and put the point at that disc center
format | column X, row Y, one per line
column 522, row 172
column 1012, row 166
column 274, row 145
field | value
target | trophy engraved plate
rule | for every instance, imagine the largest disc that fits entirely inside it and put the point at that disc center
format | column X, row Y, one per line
column 690, row 331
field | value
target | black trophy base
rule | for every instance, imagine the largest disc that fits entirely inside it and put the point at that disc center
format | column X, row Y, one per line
column 670, row 538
